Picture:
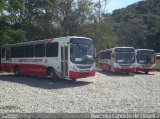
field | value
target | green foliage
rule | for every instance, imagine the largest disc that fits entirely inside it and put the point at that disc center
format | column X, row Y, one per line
column 138, row 25
column 103, row 33
column 10, row 35
column 1, row 6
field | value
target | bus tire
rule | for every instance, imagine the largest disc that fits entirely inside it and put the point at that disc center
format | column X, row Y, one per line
column 16, row 71
column 109, row 70
column 73, row 80
column 52, row 74
column 127, row 73
column 146, row 72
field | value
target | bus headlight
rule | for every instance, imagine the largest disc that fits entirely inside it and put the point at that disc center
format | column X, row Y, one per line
column 75, row 68
column 93, row 67
column 133, row 66
column 116, row 65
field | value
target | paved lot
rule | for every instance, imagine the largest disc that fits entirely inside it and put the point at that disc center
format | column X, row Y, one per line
column 104, row 93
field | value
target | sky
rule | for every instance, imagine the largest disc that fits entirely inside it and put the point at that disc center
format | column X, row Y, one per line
column 117, row 4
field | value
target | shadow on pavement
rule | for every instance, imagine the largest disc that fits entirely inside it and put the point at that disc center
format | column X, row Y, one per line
column 44, row 83
column 116, row 74
column 142, row 73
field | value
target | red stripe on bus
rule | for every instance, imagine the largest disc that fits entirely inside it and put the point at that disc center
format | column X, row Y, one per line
column 104, row 66
column 144, row 70
column 75, row 75
column 27, row 69
column 120, row 70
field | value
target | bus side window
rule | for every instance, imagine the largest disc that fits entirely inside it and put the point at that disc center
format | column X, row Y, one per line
column 52, row 50
column 7, row 54
column 3, row 52
column 20, row 51
column 29, row 51
column 113, row 55
column 39, row 50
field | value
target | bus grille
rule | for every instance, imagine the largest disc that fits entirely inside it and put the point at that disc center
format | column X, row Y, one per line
column 84, row 67
column 125, row 65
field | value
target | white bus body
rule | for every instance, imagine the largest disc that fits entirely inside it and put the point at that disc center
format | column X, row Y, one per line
column 117, row 59
column 158, row 61
column 143, row 57
column 66, row 57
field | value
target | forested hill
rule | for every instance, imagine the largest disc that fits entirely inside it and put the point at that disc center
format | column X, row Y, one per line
column 138, row 25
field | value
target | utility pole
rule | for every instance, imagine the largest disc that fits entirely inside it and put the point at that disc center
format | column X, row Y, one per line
column 101, row 4
column 99, row 15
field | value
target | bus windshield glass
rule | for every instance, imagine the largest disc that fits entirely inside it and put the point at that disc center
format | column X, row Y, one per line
column 125, row 57
column 143, row 56
column 82, row 51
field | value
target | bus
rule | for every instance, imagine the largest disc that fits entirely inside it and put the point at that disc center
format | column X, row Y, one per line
column 158, row 61
column 145, row 60
column 117, row 59
column 68, row 57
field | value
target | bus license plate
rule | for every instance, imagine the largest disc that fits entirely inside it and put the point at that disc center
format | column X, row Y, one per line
column 84, row 74
column 125, row 67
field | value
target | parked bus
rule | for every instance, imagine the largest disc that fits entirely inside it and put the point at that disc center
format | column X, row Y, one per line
column 117, row 59
column 158, row 61
column 66, row 57
column 145, row 60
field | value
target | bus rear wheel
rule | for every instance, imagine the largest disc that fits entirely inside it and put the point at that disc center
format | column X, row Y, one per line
column 73, row 80
column 109, row 69
column 16, row 71
column 52, row 74
column 146, row 72
column 127, row 73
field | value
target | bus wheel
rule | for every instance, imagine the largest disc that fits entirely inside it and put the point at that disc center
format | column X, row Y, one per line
column 146, row 72
column 16, row 71
column 73, row 80
column 127, row 73
column 109, row 70
column 52, row 74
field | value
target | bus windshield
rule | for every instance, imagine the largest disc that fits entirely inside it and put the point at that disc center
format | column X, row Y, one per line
column 125, row 57
column 143, row 57
column 82, row 53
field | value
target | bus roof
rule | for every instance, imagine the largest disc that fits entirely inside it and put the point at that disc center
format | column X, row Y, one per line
column 45, row 40
column 157, row 54
column 114, row 48
column 144, row 50
column 123, row 47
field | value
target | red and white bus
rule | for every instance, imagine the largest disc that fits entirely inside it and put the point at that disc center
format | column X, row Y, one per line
column 145, row 60
column 69, row 57
column 158, row 61
column 117, row 59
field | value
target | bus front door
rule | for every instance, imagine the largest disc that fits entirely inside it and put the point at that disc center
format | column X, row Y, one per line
column 64, row 61
column 8, row 60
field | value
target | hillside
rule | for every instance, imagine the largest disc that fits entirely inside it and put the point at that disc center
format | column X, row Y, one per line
column 138, row 25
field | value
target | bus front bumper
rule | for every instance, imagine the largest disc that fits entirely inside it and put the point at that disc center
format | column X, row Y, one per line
column 120, row 70
column 75, row 75
column 145, row 69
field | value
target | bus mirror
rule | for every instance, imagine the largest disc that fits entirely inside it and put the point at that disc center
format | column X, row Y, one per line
column 95, row 54
column 68, row 43
column 112, row 55
column 89, row 57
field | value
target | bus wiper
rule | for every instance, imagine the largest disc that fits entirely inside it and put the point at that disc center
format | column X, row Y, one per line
column 89, row 57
